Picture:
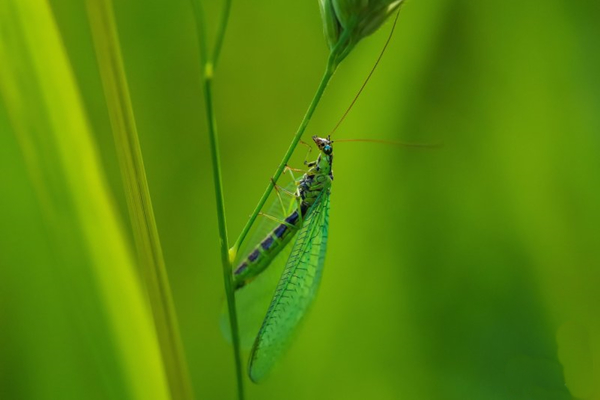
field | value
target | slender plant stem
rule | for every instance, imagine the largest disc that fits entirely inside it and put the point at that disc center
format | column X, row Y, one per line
column 221, row 33
column 150, row 256
column 207, row 78
column 332, row 64
column 226, row 262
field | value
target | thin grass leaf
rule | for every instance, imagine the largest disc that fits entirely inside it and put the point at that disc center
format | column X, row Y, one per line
column 131, row 162
column 45, row 109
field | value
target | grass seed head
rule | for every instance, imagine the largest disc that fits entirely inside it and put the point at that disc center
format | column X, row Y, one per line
column 353, row 20
column 331, row 25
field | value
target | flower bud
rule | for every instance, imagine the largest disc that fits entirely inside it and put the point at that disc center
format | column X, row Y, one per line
column 331, row 25
column 346, row 22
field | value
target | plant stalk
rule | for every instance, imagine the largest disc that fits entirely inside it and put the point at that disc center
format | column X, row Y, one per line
column 207, row 66
column 221, row 33
column 332, row 64
column 225, row 260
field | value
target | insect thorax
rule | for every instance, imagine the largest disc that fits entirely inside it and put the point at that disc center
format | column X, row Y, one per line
column 316, row 180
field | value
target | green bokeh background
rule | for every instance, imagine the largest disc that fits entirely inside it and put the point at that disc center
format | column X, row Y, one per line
column 471, row 271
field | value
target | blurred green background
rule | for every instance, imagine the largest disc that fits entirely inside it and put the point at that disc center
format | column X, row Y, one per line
column 471, row 271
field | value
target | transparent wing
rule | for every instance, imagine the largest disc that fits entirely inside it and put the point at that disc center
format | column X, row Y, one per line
column 296, row 290
column 253, row 300
column 265, row 225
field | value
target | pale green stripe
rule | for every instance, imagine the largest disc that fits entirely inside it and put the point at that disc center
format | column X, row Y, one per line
column 69, row 136
column 131, row 162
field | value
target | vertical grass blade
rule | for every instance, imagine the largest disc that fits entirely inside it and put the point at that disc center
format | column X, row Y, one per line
column 105, row 35
column 208, row 65
column 44, row 106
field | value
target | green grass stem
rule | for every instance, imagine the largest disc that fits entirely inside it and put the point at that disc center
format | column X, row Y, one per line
column 149, row 250
column 207, row 65
column 332, row 64
column 288, row 154
column 221, row 33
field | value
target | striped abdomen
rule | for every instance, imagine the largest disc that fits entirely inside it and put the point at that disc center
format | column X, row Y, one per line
column 265, row 252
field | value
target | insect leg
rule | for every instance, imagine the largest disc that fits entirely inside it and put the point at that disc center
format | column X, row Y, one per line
column 308, row 152
column 278, row 191
column 292, row 170
column 262, row 214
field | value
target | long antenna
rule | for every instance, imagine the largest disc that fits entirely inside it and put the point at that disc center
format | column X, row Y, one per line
column 370, row 73
column 394, row 143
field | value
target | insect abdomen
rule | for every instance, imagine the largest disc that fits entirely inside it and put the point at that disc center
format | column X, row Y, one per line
column 265, row 251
